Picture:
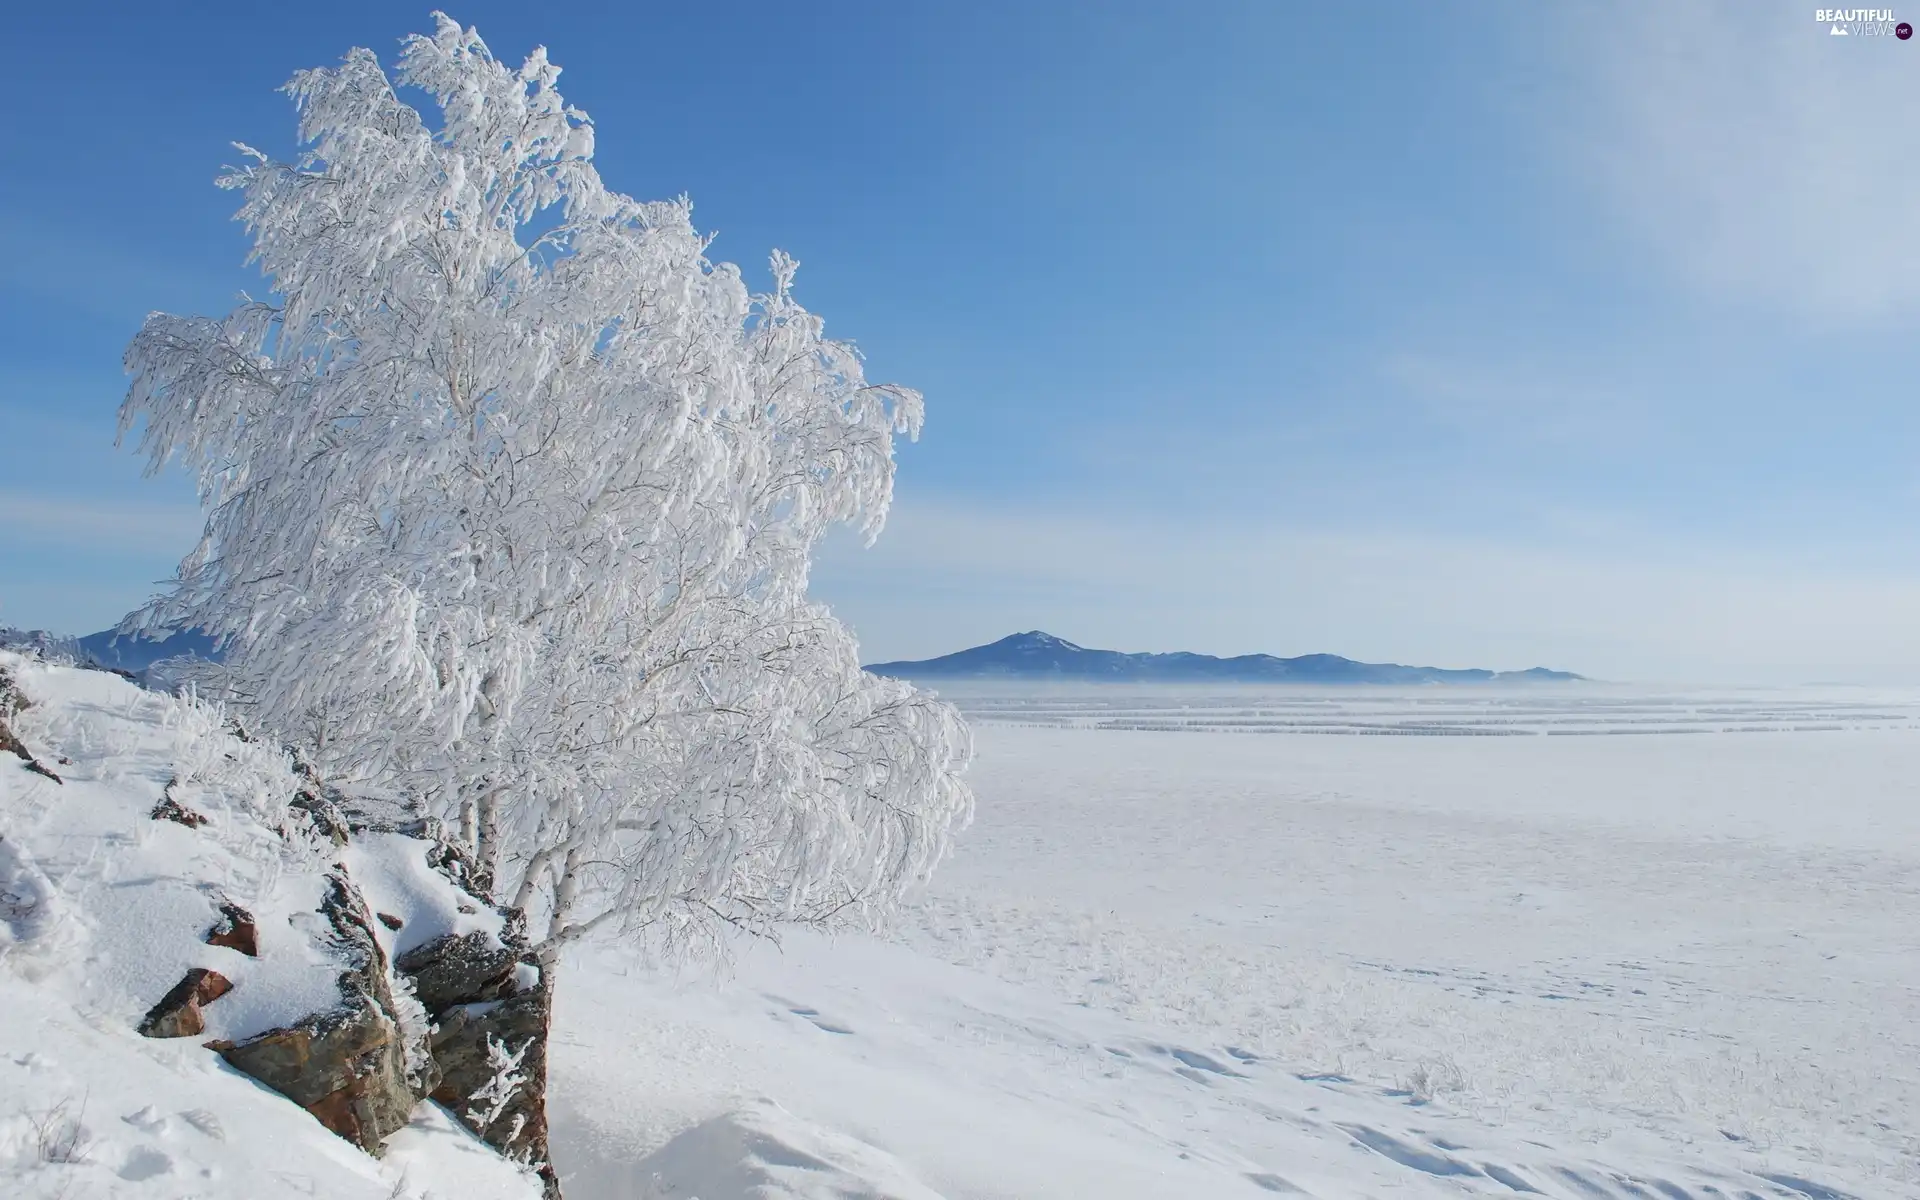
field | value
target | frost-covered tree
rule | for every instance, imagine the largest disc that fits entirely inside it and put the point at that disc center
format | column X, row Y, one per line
column 510, row 497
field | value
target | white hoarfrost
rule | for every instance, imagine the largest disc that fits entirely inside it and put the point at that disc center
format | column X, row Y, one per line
column 511, row 495
column 104, row 908
column 492, row 1097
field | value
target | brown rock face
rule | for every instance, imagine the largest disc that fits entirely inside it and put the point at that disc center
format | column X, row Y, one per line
column 178, row 1013
column 347, row 1066
column 469, row 985
column 520, row 1025
column 452, row 970
column 235, row 930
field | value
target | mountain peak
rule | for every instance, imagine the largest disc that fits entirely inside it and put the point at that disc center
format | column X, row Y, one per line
column 1037, row 654
column 1035, row 639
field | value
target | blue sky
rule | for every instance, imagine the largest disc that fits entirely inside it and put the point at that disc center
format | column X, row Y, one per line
column 1453, row 333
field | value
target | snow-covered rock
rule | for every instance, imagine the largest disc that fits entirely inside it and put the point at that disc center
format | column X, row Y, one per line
column 347, row 1063
column 105, row 911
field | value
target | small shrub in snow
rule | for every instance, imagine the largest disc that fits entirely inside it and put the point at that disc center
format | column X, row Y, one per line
column 1431, row 1077
column 493, row 1097
column 60, row 1133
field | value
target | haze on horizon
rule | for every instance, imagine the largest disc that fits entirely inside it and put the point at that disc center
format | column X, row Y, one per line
column 1425, row 334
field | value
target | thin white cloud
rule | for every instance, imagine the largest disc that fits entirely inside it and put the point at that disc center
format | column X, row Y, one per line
column 1524, row 396
column 945, row 577
column 1757, row 155
column 33, row 518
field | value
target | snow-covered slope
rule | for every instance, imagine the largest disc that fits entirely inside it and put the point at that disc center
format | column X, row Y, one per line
column 106, row 907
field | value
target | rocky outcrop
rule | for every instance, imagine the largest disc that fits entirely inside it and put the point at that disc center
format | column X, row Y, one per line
column 490, row 1003
column 235, row 930
column 317, row 808
column 453, row 861
column 348, row 1065
column 364, row 814
column 492, row 1007
column 178, row 1013
column 343, row 1066
column 459, row 969
column 360, row 1066
column 472, row 1044
column 486, row 1058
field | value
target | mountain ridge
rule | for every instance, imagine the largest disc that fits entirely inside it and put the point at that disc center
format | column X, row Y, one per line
column 1034, row 654
column 1039, row 655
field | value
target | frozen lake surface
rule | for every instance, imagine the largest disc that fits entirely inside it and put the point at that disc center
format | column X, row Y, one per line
column 1534, row 934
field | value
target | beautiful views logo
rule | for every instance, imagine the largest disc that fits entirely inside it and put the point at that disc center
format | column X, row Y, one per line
column 1862, row 22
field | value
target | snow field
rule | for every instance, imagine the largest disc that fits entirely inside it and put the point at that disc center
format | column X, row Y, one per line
column 1161, row 964
column 1172, row 964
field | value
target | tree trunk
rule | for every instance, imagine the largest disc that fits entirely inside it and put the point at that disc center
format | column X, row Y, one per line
column 566, row 893
column 469, row 827
column 487, row 851
column 533, row 879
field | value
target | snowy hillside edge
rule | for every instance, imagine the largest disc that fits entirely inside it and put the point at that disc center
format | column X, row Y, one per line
column 179, row 885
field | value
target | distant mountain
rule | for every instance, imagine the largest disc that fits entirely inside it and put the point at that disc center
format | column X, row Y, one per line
column 1031, row 655
column 1037, row 655
column 130, row 652
column 136, row 652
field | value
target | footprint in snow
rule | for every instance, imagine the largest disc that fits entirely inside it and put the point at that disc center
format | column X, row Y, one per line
column 206, row 1123
column 1273, row 1183
column 1806, row 1187
column 1200, row 1062
column 1513, row 1181
column 812, row 1016
column 1432, row 1162
column 145, row 1163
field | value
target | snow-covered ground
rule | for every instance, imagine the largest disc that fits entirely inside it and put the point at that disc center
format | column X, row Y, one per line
column 1198, row 963
column 1168, row 960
